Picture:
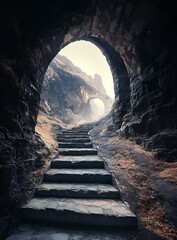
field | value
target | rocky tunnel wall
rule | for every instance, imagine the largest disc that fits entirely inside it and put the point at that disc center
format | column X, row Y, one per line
column 143, row 35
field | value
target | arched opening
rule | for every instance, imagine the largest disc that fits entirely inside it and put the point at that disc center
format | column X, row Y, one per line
column 81, row 71
column 121, row 80
column 97, row 108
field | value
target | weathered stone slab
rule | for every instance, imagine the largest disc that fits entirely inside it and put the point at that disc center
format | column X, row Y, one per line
column 85, row 133
column 74, row 140
column 38, row 232
column 75, row 145
column 79, row 158
column 75, row 132
column 81, row 211
column 78, row 190
column 73, row 136
column 77, row 151
column 78, row 176
column 88, row 161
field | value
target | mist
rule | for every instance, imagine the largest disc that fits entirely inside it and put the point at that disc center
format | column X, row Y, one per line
column 97, row 108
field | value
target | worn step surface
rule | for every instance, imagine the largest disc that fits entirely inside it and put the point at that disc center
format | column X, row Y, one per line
column 74, row 136
column 87, row 161
column 80, row 211
column 77, row 151
column 74, row 140
column 41, row 231
column 75, row 132
column 77, row 176
column 75, row 145
column 70, row 190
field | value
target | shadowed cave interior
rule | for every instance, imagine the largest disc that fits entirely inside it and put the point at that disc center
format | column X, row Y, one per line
column 137, row 139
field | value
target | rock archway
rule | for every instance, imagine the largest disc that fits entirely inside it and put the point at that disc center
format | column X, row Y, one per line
column 107, row 102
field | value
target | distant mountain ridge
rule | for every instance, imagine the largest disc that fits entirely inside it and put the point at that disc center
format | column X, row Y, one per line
column 69, row 67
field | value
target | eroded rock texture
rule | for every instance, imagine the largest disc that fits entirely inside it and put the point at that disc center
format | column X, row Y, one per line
column 67, row 92
column 137, row 37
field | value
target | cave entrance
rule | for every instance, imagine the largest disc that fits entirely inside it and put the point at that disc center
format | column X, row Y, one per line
column 77, row 82
column 65, row 97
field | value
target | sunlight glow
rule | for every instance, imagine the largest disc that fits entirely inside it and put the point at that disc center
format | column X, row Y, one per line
column 97, row 107
column 90, row 60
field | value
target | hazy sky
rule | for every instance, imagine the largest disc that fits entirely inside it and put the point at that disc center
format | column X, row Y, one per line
column 90, row 59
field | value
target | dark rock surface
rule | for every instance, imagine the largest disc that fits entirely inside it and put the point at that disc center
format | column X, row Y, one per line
column 77, row 190
column 67, row 91
column 20, row 155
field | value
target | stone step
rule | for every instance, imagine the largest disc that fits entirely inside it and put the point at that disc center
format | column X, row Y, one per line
column 78, row 162
column 75, row 145
column 72, row 136
column 66, row 190
column 74, row 140
column 77, row 151
column 79, row 211
column 75, row 132
column 79, row 129
column 78, row 176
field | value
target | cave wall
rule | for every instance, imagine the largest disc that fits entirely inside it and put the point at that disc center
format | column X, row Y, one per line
column 142, row 33
column 26, row 49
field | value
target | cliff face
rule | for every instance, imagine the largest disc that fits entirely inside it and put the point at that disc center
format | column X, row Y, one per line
column 67, row 90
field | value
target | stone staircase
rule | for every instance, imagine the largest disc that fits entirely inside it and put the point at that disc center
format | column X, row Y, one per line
column 77, row 189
